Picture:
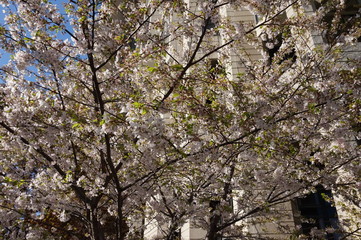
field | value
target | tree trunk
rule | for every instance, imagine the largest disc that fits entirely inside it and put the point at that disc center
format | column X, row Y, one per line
column 173, row 232
column 98, row 232
column 214, row 220
column 213, row 228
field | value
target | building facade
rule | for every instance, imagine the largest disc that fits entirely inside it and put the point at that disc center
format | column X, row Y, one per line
column 296, row 218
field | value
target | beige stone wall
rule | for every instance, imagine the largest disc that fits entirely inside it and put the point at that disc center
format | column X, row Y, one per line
column 239, row 56
column 190, row 232
column 279, row 225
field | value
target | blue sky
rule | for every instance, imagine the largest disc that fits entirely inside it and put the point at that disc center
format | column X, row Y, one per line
column 4, row 56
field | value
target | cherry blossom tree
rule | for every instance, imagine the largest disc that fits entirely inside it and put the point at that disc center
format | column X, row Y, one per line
column 114, row 113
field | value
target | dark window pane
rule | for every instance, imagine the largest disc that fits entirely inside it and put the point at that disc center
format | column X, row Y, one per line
column 317, row 212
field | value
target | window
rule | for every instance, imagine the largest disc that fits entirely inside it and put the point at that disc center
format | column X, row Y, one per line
column 176, row 235
column 132, row 43
column 272, row 47
column 215, row 68
column 272, row 44
column 209, row 24
column 335, row 27
column 314, row 211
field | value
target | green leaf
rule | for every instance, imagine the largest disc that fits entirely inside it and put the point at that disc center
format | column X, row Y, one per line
column 77, row 126
column 102, row 122
column 152, row 69
column 177, row 67
column 82, row 19
column 138, row 104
